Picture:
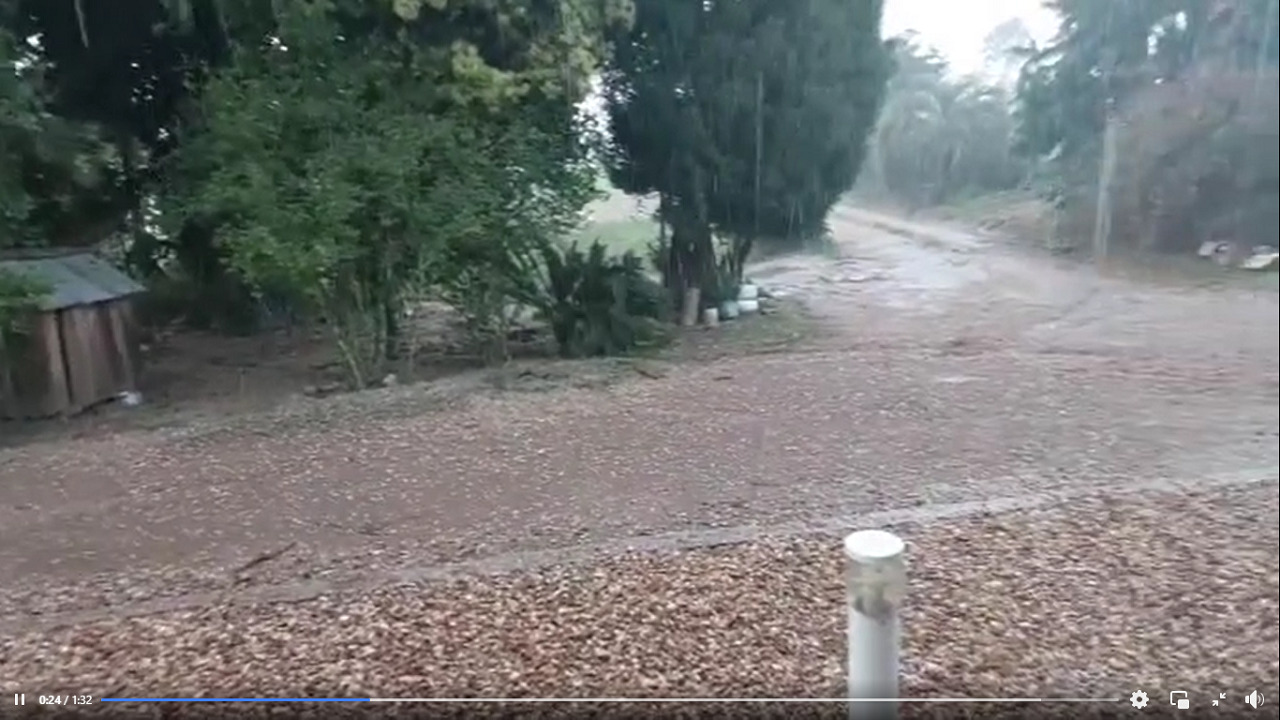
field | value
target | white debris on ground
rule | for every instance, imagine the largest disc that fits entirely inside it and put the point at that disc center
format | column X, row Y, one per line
column 1096, row 598
column 1227, row 254
column 130, row 398
column 1267, row 259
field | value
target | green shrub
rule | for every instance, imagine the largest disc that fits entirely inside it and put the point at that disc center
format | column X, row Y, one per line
column 723, row 286
column 600, row 305
column 20, row 296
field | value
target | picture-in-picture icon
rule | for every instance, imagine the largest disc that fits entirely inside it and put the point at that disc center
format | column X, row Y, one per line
column 1180, row 699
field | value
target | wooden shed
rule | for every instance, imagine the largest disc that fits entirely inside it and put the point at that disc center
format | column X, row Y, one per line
column 82, row 348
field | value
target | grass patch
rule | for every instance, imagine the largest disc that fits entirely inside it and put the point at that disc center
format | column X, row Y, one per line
column 620, row 236
column 784, row 326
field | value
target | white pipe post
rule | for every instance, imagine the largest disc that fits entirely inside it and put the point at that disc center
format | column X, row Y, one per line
column 877, row 585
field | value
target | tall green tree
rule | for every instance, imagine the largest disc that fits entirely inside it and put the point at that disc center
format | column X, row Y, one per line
column 20, row 121
column 51, row 165
column 121, row 73
column 22, row 127
column 747, row 117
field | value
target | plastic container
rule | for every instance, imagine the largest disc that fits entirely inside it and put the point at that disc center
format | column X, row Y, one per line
column 747, row 307
column 748, row 292
column 729, row 309
column 711, row 317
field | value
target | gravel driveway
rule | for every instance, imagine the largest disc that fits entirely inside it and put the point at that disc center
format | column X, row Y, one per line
column 1157, row 591
column 956, row 371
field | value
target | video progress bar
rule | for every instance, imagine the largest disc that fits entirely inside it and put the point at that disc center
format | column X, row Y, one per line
column 479, row 701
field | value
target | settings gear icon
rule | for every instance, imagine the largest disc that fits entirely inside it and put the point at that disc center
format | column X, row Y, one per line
column 1138, row 699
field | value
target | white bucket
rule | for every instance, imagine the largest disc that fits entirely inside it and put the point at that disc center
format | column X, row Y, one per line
column 729, row 309
column 711, row 317
column 748, row 292
column 1208, row 249
column 746, row 307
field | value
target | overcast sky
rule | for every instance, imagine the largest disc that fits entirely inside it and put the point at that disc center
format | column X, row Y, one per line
column 956, row 28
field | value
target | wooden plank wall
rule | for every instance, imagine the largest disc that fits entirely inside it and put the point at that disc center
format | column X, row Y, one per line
column 36, row 386
column 76, row 358
column 96, row 344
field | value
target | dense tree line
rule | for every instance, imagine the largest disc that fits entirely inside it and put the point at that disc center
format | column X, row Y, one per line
column 941, row 137
column 339, row 160
column 325, row 158
column 1185, row 86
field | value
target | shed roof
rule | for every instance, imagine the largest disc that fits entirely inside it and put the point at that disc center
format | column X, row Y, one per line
column 80, row 279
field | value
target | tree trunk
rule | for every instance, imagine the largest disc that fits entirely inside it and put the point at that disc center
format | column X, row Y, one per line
column 743, row 251
column 692, row 262
column 691, row 254
column 682, row 280
column 391, row 318
column 691, row 301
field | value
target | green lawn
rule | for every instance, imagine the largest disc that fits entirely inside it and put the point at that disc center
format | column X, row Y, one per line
column 620, row 236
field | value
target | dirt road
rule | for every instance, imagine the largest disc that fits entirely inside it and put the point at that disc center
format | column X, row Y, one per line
column 956, row 369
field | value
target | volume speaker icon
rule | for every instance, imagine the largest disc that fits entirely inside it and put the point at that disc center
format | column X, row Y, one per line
column 1254, row 699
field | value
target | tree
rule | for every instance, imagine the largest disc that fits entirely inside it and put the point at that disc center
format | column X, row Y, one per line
column 351, row 160
column 748, row 118
column 1005, row 49
column 50, row 165
column 119, row 73
column 939, row 137
column 1127, row 66
column 1106, row 51
column 22, row 123
column 138, row 76
column 114, row 90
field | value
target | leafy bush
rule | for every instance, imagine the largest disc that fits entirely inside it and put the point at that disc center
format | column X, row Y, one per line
column 599, row 305
column 20, row 295
column 481, row 293
column 352, row 178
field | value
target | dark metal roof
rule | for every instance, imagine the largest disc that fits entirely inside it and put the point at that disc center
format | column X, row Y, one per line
column 81, row 279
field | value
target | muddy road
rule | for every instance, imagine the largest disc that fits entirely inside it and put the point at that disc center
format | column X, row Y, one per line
column 907, row 279
column 953, row 369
